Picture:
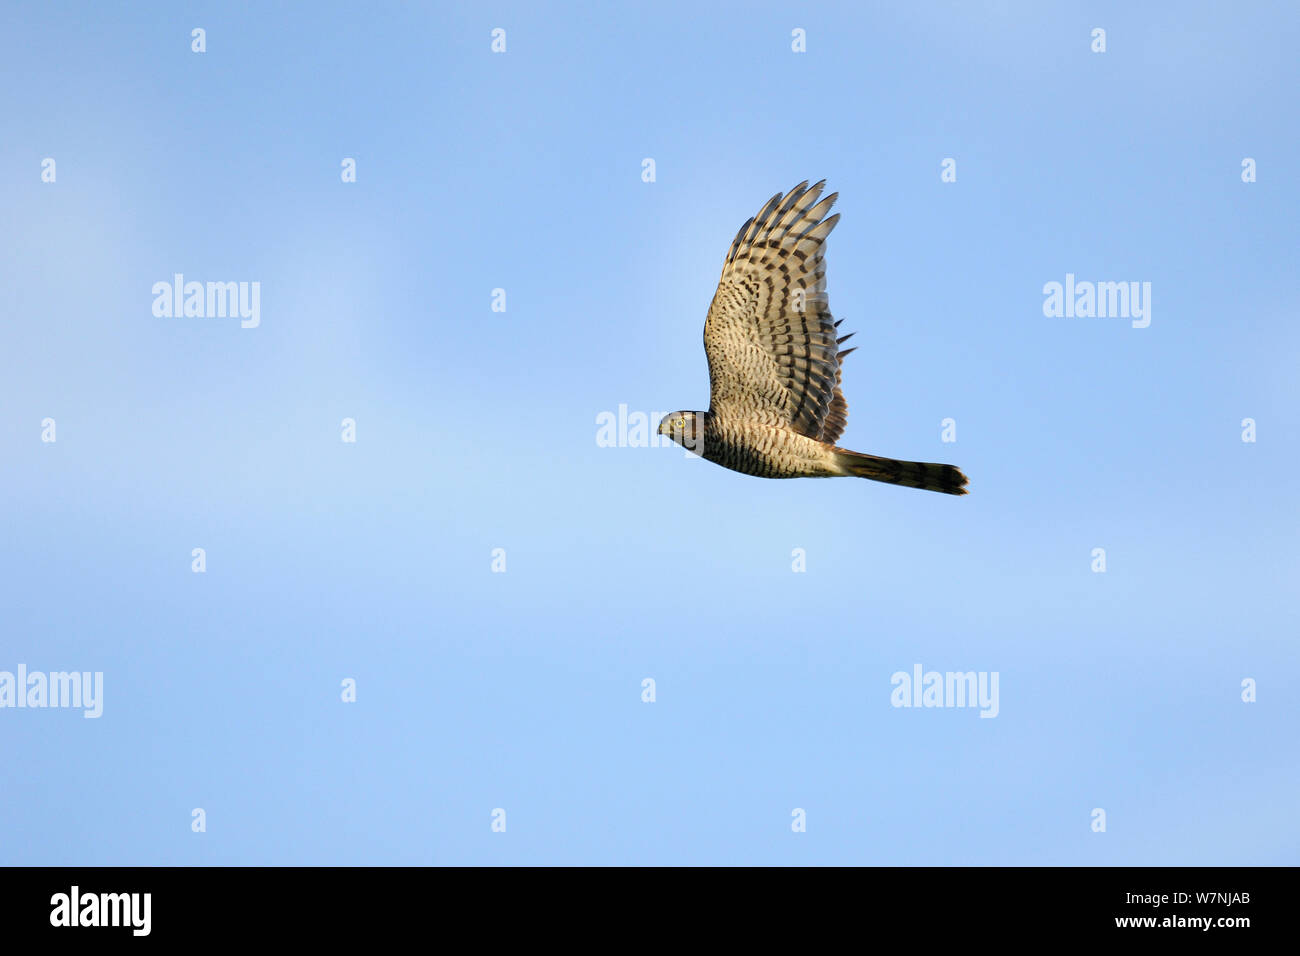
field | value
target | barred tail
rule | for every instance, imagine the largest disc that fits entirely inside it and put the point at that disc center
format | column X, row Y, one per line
column 913, row 474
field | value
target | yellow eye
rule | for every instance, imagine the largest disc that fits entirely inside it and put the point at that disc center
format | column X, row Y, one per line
column 680, row 423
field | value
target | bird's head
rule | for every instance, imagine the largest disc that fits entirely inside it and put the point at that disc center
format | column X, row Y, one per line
column 685, row 428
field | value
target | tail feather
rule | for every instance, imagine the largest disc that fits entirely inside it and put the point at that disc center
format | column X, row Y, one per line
column 947, row 479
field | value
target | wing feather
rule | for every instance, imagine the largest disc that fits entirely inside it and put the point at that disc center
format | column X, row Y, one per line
column 770, row 338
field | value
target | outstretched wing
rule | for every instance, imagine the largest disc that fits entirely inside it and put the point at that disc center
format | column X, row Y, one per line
column 769, row 337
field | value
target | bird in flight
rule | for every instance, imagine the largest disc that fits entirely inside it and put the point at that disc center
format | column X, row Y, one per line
column 775, row 405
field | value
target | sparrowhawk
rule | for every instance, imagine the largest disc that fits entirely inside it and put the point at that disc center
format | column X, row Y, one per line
column 775, row 405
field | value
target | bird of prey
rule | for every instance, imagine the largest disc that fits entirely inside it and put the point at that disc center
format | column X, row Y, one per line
column 775, row 405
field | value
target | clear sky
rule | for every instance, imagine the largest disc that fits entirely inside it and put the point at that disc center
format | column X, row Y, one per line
column 372, row 561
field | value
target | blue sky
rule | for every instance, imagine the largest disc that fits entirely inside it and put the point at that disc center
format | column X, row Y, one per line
column 476, row 430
